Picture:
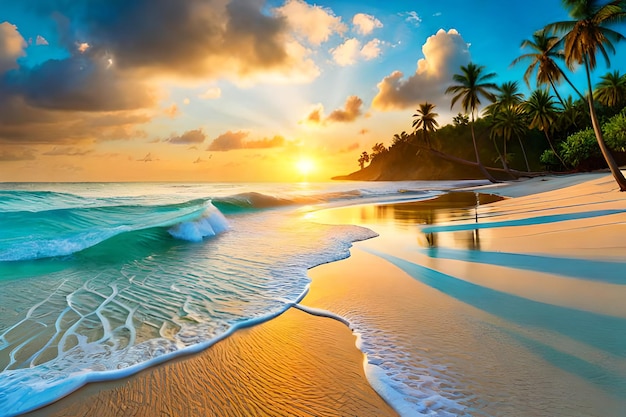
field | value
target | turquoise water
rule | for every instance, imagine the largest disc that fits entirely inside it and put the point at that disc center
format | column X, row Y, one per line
column 98, row 281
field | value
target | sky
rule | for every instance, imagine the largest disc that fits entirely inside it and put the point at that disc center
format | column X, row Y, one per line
column 238, row 90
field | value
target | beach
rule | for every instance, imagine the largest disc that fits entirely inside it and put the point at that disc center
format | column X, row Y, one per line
column 509, row 308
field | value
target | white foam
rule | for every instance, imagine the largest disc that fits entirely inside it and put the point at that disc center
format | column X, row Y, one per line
column 212, row 222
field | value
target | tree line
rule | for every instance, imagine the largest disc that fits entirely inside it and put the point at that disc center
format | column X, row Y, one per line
column 576, row 129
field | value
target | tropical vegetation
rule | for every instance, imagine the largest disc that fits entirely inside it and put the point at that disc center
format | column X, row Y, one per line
column 579, row 133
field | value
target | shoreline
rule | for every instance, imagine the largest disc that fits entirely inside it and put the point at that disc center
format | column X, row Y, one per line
column 333, row 288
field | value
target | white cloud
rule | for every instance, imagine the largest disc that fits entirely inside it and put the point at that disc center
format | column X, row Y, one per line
column 41, row 40
column 413, row 17
column 347, row 53
column 12, row 46
column 365, row 23
column 211, row 94
column 371, row 49
column 315, row 23
column 444, row 54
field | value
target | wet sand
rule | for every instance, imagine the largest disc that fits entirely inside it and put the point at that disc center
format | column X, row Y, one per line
column 491, row 320
column 294, row 365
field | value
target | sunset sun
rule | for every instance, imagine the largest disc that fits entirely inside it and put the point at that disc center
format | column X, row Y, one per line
column 305, row 166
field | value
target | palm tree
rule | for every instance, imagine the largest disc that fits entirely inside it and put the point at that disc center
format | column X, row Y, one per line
column 571, row 118
column 611, row 91
column 543, row 60
column 583, row 38
column 501, row 113
column 425, row 119
column 542, row 112
column 508, row 122
column 377, row 149
column 363, row 159
column 471, row 85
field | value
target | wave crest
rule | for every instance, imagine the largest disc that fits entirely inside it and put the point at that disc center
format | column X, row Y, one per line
column 65, row 231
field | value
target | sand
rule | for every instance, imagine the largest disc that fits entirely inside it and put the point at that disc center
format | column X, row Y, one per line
column 431, row 304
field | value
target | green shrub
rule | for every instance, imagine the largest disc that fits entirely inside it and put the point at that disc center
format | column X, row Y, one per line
column 615, row 132
column 579, row 147
column 549, row 158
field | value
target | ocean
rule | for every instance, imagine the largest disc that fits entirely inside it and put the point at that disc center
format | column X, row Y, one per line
column 101, row 280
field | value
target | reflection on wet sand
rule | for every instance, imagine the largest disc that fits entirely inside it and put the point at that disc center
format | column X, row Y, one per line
column 459, row 206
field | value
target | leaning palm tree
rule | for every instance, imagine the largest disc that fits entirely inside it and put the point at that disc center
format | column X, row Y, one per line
column 611, row 91
column 583, row 38
column 472, row 84
column 543, row 60
column 542, row 113
column 425, row 119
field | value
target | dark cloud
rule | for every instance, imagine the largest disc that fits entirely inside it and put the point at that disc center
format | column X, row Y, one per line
column 196, row 136
column 23, row 123
column 236, row 140
column 188, row 38
column 79, row 83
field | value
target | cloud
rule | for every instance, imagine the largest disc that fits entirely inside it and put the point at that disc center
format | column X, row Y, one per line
column 365, row 23
column 196, row 136
column 350, row 112
column 12, row 46
column 171, row 111
column 79, row 83
column 22, row 123
column 315, row 116
column 444, row 54
column 41, row 41
column 211, row 94
column 67, row 151
column 228, row 141
column 413, row 17
column 314, row 23
column 349, row 52
column 17, row 154
column 265, row 143
column 195, row 39
column 236, row 140
column 371, row 49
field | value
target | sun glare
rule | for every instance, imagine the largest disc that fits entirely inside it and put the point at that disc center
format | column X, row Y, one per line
column 305, row 166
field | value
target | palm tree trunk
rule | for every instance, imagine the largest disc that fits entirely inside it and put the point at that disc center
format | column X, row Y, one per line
column 480, row 165
column 556, row 91
column 571, row 85
column 523, row 153
column 606, row 153
column 545, row 131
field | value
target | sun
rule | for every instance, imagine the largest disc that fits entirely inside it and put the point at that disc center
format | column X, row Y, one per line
column 305, row 166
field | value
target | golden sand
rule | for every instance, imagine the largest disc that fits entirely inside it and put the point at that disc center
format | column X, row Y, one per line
column 294, row 365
